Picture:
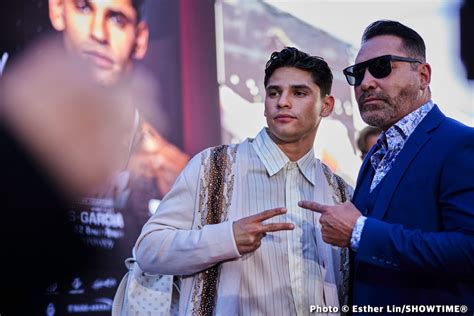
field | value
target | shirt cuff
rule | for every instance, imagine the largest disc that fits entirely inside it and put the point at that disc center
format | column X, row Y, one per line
column 357, row 232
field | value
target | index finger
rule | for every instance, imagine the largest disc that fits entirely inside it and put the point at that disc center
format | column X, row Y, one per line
column 262, row 216
column 313, row 206
column 275, row 227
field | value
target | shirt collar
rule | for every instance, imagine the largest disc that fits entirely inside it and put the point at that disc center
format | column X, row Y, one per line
column 274, row 159
column 400, row 131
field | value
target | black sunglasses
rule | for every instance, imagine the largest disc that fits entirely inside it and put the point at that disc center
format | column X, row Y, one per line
column 379, row 67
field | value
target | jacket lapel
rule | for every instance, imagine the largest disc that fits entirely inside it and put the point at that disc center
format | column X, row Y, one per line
column 412, row 147
column 364, row 169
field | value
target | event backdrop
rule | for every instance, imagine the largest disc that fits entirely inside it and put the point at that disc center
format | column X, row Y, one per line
column 207, row 59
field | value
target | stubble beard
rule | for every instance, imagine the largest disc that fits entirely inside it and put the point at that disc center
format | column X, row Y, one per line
column 390, row 111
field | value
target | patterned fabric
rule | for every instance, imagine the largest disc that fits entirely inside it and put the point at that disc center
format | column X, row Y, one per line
column 391, row 142
column 357, row 232
column 149, row 294
column 342, row 190
column 140, row 293
column 215, row 196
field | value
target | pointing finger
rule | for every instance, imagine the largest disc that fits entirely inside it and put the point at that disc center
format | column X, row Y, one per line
column 313, row 206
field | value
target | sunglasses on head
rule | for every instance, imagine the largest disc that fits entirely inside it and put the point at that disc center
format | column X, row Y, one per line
column 379, row 67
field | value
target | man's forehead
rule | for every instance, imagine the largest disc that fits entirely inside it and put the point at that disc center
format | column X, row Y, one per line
column 290, row 76
column 379, row 46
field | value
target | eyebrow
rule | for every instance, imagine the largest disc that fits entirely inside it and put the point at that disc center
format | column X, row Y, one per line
column 273, row 87
column 300, row 87
column 295, row 87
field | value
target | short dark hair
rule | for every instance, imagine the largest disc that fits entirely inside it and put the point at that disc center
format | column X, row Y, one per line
column 292, row 57
column 139, row 6
column 412, row 41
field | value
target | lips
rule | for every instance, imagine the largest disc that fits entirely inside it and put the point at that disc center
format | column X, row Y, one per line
column 284, row 118
column 366, row 99
column 369, row 100
column 99, row 59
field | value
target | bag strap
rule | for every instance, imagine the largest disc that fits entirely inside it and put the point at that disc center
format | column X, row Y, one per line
column 119, row 303
column 119, row 298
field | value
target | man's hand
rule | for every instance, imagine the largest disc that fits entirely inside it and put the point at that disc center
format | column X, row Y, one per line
column 337, row 221
column 249, row 231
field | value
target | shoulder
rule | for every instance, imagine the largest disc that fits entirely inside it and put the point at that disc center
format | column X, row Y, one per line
column 457, row 128
column 449, row 127
column 450, row 147
column 225, row 151
column 452, row 136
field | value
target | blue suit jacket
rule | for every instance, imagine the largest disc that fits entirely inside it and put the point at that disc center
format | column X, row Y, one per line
column 417, row 246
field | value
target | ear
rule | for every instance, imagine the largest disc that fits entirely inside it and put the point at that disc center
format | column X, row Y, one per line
column 424, row 71
column 327, row 105
column 141, row 41
column 56, row 14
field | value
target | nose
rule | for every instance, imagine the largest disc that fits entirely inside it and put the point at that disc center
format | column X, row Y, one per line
column 284, row 101
column 368, row 82
column 99, row 28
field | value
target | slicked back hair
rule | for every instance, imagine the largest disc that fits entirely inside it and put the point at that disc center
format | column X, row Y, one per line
column 292, row 57
column 412, row 41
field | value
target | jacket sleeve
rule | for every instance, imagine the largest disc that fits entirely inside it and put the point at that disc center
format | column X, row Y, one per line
column 169, row 245
column 449, row 252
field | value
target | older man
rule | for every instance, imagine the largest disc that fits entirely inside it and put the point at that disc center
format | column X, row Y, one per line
column 411, row 223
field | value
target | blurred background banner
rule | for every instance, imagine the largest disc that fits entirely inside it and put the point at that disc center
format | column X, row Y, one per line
column 205, row 63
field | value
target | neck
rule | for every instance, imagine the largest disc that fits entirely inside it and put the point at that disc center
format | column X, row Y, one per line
column 294, row 150
column 422, row 100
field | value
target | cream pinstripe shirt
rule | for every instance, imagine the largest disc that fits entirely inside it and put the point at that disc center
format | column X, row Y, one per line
column 281, row 277
column 289, row 272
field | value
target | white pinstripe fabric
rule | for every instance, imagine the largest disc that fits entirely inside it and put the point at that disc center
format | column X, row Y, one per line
column 283, row 277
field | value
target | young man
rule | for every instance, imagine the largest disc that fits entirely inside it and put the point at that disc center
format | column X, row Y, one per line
column 268, row 252
column 109, row 35
column 411, row 227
